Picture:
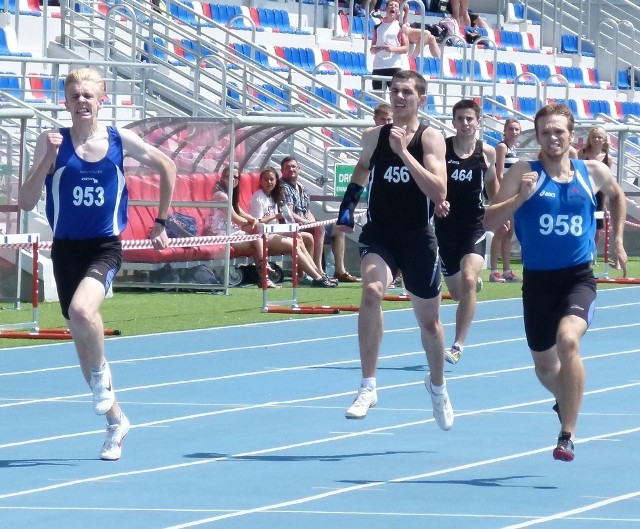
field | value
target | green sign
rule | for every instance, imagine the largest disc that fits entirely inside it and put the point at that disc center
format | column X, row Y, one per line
column 342, row 178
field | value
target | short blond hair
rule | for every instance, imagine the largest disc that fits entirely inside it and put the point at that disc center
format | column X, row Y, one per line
column 85, row 74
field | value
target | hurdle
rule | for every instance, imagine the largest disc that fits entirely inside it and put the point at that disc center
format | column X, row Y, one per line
column 604, row 277
column 31, row 329
column 18, row 242
column 291, row 306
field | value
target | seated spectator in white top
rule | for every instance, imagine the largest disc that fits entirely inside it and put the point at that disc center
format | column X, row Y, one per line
column 241, row 221
column 264, row 206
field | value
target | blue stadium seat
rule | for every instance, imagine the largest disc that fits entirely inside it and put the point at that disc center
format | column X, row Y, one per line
column 498, row 112
column 50, row 91
column 492, row 137
column 233, row 97
column 365, row 98
column 10, row 84
column 182, row 14
column 4, row 46
column 430, row 67
column 541, row 71
column 527, row 105
column 569, row 43
column 270, row 101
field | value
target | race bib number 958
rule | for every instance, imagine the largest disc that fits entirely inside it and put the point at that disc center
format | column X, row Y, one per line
column 561, row 225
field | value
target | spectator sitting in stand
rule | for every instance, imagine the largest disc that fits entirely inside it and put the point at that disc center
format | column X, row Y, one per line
column 264, row 207
column 241, row 221
column 459, row 9
column 297, row 198
column 414, row 34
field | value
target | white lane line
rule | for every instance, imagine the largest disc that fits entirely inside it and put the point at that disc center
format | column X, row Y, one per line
column 572, row 512
column 318, row 398
column 363, row 486
column 334, row 438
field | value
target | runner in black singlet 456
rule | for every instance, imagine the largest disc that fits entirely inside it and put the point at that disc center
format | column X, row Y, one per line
column 406, row 162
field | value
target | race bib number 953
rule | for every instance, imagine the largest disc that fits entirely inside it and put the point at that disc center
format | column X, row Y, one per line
column 561, row 225
column 88, row 196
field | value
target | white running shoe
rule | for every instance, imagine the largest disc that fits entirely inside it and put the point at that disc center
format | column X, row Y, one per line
column 453, row 355
column 112, row 447
column 367, row 398
column 442, row 410
column 103, row 395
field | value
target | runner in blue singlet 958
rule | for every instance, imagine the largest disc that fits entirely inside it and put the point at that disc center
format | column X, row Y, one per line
column 553, row 203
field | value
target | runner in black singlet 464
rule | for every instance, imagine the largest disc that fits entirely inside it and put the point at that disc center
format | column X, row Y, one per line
column 471, row 175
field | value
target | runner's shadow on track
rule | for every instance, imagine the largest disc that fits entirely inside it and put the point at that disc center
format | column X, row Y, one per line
column 323, row 458
column 479, row 482
column 17, row 463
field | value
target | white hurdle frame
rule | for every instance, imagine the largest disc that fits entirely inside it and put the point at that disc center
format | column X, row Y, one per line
column 22, row 241
column 269, row 229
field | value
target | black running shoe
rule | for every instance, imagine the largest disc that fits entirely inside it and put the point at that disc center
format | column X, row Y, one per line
column 564, row 450
column 556, row 408
column 323, row 283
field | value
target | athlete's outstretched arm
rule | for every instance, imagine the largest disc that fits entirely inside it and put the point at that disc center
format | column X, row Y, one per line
column 153, row 158
column 603, row 180
column 359, row 179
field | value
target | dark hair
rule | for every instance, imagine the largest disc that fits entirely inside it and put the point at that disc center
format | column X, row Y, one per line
column 277, row 193
column 463, row 104
column 410, row 75
column 222, row 186
column 287, row 159
column 555, row 109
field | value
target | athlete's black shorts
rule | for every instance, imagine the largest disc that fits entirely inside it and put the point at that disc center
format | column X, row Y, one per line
column 73, row 260
column 377, row 84
column 413, row 252
column 455, row 244
column 549, row 295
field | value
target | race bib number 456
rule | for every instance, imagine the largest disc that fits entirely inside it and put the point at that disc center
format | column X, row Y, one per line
column 397, row 174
